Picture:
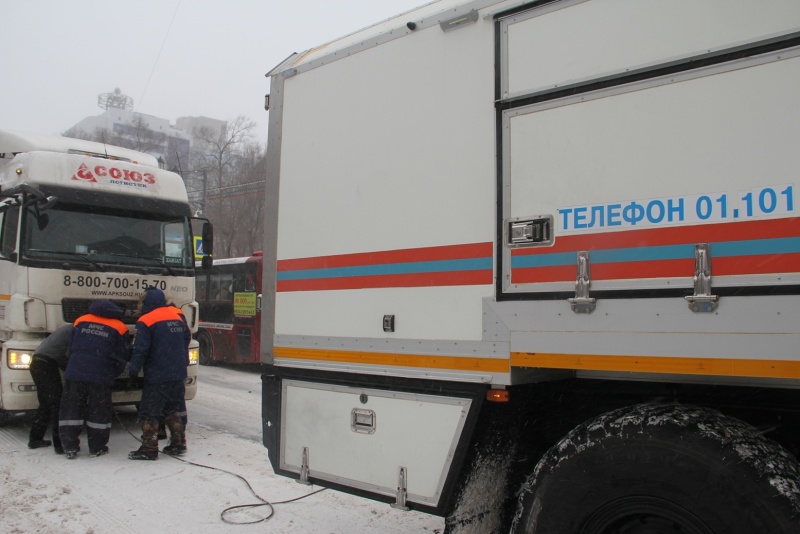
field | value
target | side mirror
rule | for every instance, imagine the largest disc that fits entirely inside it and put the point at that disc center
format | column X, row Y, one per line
column 208, row 239
column 42, row 221
column 207, row 235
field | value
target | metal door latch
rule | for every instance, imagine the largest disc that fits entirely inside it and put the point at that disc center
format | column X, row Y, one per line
column 582, row 303
column 304, row 469
column 402, row 491
column 362, row 421
column 529, row 231
column 702, row 301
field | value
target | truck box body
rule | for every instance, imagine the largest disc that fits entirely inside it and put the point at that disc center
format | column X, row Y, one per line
column 490, row 194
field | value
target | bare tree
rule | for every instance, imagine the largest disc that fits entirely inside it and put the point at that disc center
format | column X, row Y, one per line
column 140, row 137
column 247, row 194
column 228, row 158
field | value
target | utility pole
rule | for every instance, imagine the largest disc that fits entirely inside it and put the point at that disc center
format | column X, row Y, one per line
column 205, row 190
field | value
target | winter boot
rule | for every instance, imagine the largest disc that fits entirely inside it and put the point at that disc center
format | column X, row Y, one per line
column 177, row 442
column 99, row 452
column 38, row 443
column 149, row 448
column 57, row 444
column 162, row 430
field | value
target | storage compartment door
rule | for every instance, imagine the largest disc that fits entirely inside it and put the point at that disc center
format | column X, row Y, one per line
column 361, row 438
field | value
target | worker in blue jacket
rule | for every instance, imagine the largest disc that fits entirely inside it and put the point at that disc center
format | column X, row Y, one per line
column 161, row 350
column 99, row 350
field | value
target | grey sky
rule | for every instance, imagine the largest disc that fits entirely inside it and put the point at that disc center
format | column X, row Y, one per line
column 173, row 57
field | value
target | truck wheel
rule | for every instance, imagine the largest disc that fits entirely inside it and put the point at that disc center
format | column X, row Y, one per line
column 656, row 469
column 4, row 417
column 206, row 354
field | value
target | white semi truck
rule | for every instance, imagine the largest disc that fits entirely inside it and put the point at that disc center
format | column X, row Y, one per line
column 535, row 265
column 83, row 221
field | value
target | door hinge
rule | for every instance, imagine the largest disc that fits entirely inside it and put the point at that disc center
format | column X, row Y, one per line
column 702, row 301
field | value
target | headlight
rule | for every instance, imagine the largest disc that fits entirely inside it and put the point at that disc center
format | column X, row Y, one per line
column 18, row 359
column 194, row 356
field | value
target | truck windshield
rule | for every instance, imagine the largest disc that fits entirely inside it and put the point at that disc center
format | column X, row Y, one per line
column 112, row 236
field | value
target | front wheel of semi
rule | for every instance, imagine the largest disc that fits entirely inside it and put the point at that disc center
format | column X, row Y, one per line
column 206, row 353
column 662, row 469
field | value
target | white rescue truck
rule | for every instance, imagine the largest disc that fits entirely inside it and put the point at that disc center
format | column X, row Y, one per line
column 83, row 221
column 535, row 266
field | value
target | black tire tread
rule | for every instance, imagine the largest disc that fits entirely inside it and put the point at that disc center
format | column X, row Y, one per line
column 744, row 445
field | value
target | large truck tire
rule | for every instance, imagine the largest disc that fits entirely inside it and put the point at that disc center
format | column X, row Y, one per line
column 662, row 468
column 206, row 352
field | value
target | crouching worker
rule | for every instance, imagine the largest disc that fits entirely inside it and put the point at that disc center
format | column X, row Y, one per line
column 49, row 359
column 98, row 353
column 161, row 349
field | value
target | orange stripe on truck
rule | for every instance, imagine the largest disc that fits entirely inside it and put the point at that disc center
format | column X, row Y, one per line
column 577, row 362
column 490, row 365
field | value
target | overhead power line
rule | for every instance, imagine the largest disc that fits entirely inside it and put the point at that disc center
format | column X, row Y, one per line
column 155, row 63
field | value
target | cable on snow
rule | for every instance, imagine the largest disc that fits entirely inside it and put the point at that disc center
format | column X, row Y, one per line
column 222, row 515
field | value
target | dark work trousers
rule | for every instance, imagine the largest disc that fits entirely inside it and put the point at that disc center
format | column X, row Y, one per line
column 161, row 400
column 47, row 378
column 81, row 402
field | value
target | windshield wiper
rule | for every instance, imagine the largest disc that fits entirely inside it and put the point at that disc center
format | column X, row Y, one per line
column 160, row 264
column 84, row 257
column 158, row 261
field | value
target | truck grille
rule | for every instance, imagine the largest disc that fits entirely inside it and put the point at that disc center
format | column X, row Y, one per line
column 71, row 309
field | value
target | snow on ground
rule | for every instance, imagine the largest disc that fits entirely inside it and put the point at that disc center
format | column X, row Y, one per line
column 45, row 493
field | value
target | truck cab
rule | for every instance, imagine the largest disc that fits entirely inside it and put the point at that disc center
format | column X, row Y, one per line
column 81, row 221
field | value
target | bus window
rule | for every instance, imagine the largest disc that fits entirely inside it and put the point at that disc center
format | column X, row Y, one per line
column 226, row 287
column 200, row 284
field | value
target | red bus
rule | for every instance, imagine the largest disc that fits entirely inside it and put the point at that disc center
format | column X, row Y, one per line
column 229, row 295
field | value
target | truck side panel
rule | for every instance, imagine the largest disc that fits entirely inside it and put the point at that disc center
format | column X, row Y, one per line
column 572, row 41
column 666, row 172
column 655, row 167
column 367, row 211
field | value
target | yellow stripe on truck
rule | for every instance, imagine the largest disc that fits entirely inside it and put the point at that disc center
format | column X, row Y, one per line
column 491, row 365
column 660, row 364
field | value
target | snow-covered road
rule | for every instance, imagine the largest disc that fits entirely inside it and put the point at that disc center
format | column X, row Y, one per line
column 45, row 493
